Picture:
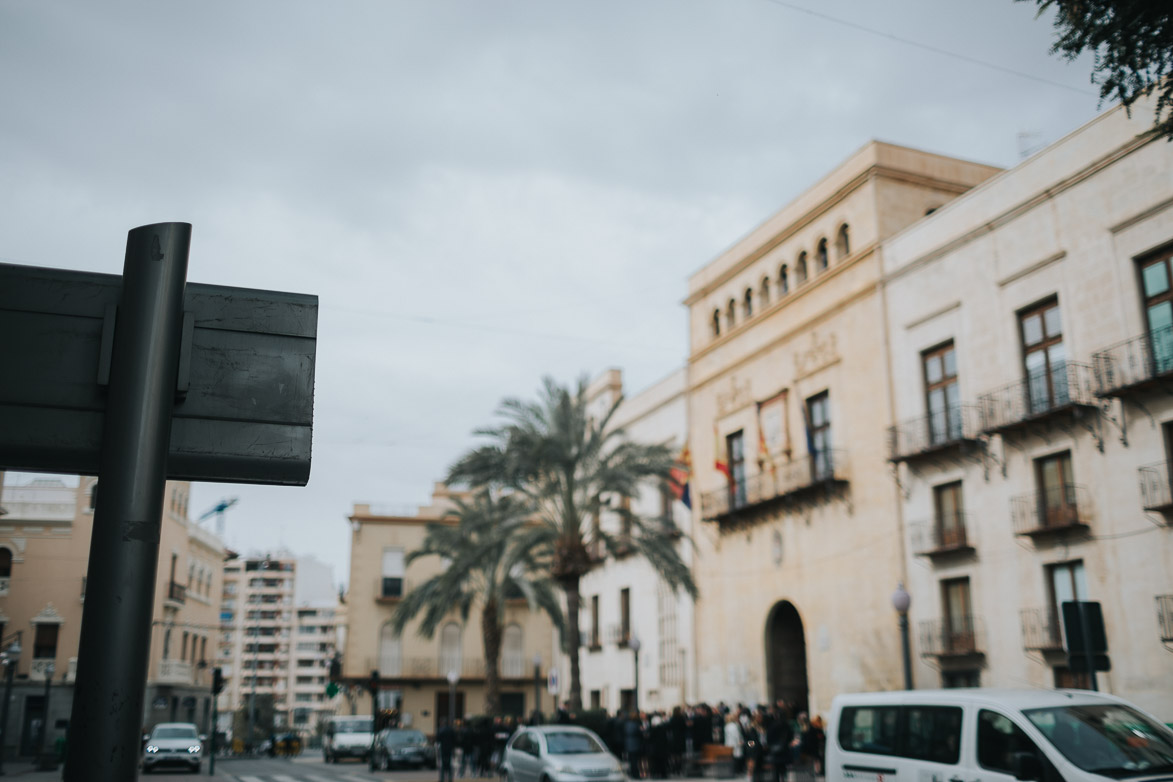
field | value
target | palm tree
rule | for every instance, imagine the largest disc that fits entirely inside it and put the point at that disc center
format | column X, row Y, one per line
column 572, row 466
column 485, row 567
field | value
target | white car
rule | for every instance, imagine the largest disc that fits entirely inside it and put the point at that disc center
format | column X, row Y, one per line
column 559, row 753
column 173, row 744
column 348, row 737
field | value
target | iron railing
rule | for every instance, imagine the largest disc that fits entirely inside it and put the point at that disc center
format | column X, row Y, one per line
column 1154, row 487
column 392, row 666
column 391, row 588
column 953, row 636
column 934, row 431
column 1039, row 394
column 1040, row 630
column 948, row 534
column 176, row 592
column 1134, row 362
column 777, row 480
column 1165, row 617
column 1051, row 510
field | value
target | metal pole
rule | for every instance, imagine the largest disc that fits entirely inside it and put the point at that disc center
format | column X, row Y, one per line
column 635, row 692
column 45, row 726
column 906, row 650
column 114, row 650
column 374, row 720
column 537, row 693
column 8, row 674
column 212, row 754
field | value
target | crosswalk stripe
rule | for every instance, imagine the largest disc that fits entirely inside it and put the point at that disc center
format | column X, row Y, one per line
column 283, row 778
column 250, row 779
column 356, row 779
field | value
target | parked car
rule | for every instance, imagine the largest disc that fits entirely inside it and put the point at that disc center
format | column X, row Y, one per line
column 995, row 736
column 399, row 748
column 347, row 737
column 173, row 744
column 559, row 753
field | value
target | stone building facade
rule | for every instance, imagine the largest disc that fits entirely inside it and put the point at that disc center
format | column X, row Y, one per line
column 1030, row 327
column 797, row 532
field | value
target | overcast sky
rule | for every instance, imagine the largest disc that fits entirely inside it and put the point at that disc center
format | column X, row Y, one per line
column 480, row 193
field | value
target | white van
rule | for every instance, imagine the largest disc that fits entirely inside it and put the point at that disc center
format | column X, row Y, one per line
column 348, row 737
column 981, row 735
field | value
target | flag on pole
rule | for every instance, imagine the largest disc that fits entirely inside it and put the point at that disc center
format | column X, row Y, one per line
column 681, row 477
column 720, row 460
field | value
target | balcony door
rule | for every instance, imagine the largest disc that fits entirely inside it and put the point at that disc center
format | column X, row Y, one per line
column 818, row 420
column 1067, row 582
column 1158, row 302
column 1044, row 357
column 735, row 445
column 950, row 524
column 958, row 619
column 942, row 395
column 1057, row 507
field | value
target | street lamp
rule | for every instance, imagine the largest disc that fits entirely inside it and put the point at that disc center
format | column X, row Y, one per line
column 634, row 644
column 453, row 678
column 537, row 688
column 10, row 657
column 43, row 763
column 901, row 601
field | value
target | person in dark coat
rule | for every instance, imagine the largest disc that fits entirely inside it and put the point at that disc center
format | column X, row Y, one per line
column 658, row 748
column 445, row 744
column 633, row 744
column 702, row 728
column 779, row 738
column 677, row 741
column 484, row 747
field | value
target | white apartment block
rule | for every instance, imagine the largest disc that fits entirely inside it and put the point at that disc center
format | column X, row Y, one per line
column 279, row 630
column 624, row 598
column 1030, row 326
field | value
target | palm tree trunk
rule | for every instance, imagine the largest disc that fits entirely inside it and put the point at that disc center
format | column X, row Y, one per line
column 491, row 637
column 573, row 605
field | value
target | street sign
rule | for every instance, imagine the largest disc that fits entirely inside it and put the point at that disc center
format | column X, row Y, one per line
column 244, row 392
column 1083, row 626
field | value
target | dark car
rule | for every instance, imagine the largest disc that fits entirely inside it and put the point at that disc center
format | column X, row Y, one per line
column 399, row 748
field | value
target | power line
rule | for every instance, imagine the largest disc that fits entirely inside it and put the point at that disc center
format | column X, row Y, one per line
column 929, row 47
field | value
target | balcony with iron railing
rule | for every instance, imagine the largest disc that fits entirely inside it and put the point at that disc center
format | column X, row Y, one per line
column 176, row 592
column 784, row 481
column 1155, row 488
column 1165, row 617
column 175, row 672
column 1040, row 630
column 1135, row 365
column 1065, row 389
column 950, row 534
column 957, row 636
column 940, row 431
column 435, row 668
column 391, row 589
column 1051, row 511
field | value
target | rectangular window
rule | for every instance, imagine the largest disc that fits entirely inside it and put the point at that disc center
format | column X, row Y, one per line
column 624, row 615
column 942, row 395
column 871, row 729
column 45, row 642
column 1158, row 304
column 1057, row 506
column 963, row 678
column 958, row 620
column 393, row 568
column 1067, row 679
column 595, row 622
column 735, row 447
column 1066, row 582
column 1044, row 357
column 666, row 504
column 819, row 435
column 932, row 733
column 950, row 517
column 596, row 700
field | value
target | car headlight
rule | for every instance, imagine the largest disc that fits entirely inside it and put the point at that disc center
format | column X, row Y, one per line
column 152, row 749
column 194, row 749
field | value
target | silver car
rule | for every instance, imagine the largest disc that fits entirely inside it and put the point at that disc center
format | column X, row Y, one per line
column 559, row 753
column 173, row 744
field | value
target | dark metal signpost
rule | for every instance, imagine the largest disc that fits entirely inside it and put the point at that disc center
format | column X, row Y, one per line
column 141, row 379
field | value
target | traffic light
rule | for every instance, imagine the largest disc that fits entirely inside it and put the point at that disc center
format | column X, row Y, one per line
column 335, row 668
column 373, row 685
column 217, row 681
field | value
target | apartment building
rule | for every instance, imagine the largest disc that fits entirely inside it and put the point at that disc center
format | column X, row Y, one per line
column 418, row 676
column 44, row 554
column 1031, row 341
column 623, row 598
column 796, row 530
column 278, row 634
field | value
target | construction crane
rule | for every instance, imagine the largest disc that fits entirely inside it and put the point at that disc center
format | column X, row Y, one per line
column 218, row 512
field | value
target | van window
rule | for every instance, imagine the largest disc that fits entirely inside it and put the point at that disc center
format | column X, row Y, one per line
column 1108, row 739
column 932, row 733
column 998, row 739
column 871, row 729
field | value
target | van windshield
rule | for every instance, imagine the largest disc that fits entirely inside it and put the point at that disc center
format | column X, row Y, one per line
column 1107, row 739
column 353, row 726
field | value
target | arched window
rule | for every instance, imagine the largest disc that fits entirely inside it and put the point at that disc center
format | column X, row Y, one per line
column 765, row 292
column 783, row 281
column 731, row 314
column 513, row 652
column 450, row 648
column 716, row 323
column 821, row 260
column 748, row 303
column 391, row 652
column 5, row 563
column 843, row 242
column 800, row 268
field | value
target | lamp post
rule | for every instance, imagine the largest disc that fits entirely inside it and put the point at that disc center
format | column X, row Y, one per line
column 901, row 601
column 453, row 678
column 537, row 689
column 10, row 657
column 43, row 762
column 634, row 644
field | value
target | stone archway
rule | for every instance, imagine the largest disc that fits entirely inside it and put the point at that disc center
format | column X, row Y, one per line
column 786, row 656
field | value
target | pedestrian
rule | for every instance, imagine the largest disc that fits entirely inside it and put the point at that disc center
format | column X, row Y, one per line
column 633, row 744
column 779, row 739
column 658, row 747
column 677, row 741
column 464, row 743
column 735, row 741
column 445, row 744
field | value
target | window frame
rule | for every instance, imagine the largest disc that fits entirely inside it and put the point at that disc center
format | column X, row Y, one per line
column 1043, row 346
column 950, row 429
